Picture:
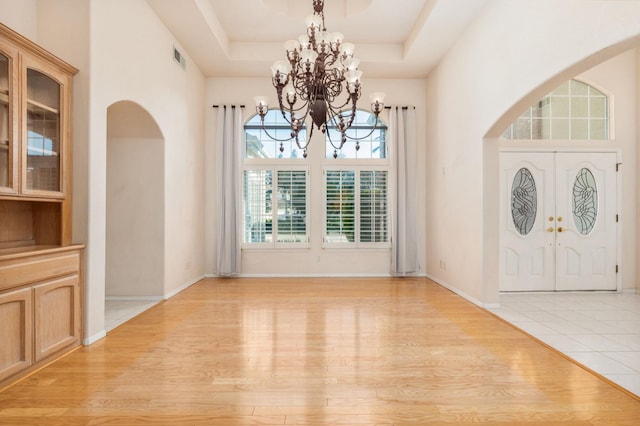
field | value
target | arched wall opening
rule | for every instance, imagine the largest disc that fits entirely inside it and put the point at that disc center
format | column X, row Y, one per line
column 135, row 204
column 627, row 150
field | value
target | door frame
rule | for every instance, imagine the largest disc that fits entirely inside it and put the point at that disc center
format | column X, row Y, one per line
column 569, row 150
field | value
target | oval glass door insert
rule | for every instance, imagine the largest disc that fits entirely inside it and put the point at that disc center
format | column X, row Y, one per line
column 585, row 201
column 524, row 201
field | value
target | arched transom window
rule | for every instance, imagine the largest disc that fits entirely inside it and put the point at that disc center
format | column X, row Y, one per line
column 573, row 111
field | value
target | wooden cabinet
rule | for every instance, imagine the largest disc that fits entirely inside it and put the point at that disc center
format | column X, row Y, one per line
column 35, row 144
column 56, row 316
column 16, row 321
column 40, row 307
column 40, row 269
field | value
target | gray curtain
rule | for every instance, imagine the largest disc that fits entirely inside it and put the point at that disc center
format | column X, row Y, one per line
column 229, row 141
column 402, row 137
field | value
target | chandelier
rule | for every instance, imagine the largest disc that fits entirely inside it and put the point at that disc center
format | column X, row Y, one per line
column 319, row 79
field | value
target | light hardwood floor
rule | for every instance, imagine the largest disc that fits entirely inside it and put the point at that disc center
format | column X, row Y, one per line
column 316, row 351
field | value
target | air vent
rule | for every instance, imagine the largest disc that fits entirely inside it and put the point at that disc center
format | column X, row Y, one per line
column 177, row 56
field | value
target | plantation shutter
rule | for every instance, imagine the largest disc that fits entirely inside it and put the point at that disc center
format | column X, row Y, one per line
column 292, row 206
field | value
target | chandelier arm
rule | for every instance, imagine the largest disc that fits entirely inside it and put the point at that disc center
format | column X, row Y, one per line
column 264, row 129
column 353, row 138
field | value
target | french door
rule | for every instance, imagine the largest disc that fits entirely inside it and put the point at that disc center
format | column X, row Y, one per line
column 558, row 223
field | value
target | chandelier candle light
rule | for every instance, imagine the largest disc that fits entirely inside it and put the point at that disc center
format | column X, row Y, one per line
column 319, row 68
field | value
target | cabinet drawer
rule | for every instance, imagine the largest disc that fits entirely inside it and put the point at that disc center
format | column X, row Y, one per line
column 17, row 272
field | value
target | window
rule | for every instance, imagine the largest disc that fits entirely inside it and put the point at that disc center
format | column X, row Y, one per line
column 259, row 145
column 356, row 207
column 275, row 186
column 275, row 196
column 356, row 212
column 352, row 190
column 574, row 111
column 372, row 137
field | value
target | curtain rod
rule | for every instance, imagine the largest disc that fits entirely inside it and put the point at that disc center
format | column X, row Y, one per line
column 386, row 107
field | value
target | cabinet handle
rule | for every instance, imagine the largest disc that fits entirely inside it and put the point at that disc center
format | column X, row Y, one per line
column 560, row 219
column 550, row 229
column 561, row 229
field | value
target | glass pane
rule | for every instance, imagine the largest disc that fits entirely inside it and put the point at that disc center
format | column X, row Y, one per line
column 508, row 134
column 544, row 108
column 523, row 128
column 540, row 129
column 598, row 129
column 260, row 141
column 43, row 132
column 559, row 115
column 257, row 191
column 579, row 107
column 585, row 201
column 373, row 206
column 292, row 206
column 560, row 128
column 579, row 128
column 370, row 133
column 5, row 157
column 578, row 88
column 524, row 201
column 340, row 206
column 4, row 73
column 562, row 89
column 598, row 107
column 43, row 90
column 560, row 106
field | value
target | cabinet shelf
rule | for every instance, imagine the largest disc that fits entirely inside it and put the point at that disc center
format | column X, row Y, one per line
column 40, row 105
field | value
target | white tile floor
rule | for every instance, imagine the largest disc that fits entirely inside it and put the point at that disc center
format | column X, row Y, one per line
column 117, row 312
column 599, row 330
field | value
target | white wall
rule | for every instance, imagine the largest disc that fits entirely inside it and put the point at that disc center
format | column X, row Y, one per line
column 637, row 180
column 512, row 55
column 135, row 203
column 20, row 16
column 315, row 260
column 135, row 217
column 132, row 59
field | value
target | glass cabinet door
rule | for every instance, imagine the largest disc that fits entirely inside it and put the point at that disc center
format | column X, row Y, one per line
column 43, row 132
column 5, row 140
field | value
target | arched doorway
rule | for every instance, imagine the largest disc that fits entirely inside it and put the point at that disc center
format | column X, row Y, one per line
column 558, row 188
column 614, row 72
column 134, row 275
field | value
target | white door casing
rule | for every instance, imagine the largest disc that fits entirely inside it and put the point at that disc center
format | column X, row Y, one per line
column 557, row 221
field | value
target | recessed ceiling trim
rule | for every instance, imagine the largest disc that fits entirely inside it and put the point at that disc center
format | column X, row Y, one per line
column 206, row 10
column 333, row 8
